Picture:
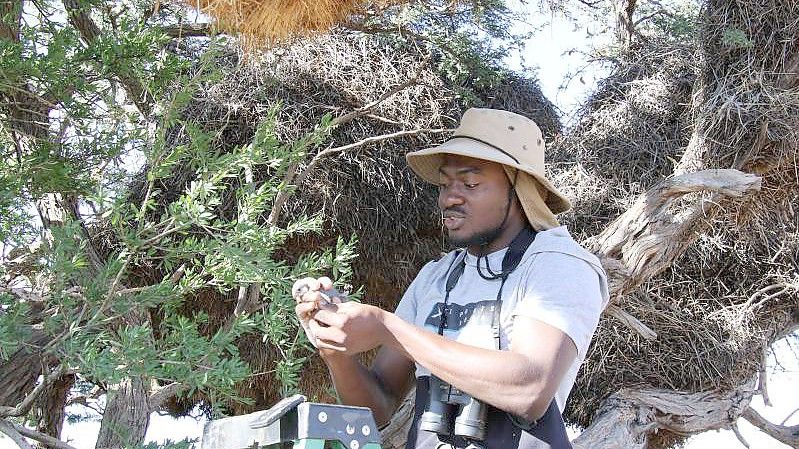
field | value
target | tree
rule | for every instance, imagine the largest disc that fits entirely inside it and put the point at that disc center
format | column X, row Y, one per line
column 109, row 292
column 160, row 288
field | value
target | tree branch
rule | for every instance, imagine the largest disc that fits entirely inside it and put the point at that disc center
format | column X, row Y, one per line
column 38, row 436
column 629, row 416
column 190, row 30
column 80, row 19
column 157, row 399
column 738, row 435
column 762, row 376
column 647, row 237
column 9, row 429
column 26, row 404
column 785, row 434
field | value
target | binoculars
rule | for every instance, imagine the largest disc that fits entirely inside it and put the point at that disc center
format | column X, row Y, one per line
column 450, row 411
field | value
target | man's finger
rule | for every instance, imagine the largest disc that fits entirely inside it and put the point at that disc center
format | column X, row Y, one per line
column 327, row 315
column 331, row 335
column 321, row 344
column 313, row 296
column 325, row 283
column 305, row 309
column 304, row 285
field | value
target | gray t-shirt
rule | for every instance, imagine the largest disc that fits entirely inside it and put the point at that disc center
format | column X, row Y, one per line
column 557, row 282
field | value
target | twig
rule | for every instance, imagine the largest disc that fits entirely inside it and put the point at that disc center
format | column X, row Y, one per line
column 788, row 417
column 738, row 435
column 784, row 286
column 632, row 322
column 316, row 159
column 291, row 172
column 350, row 116
column 366, row 141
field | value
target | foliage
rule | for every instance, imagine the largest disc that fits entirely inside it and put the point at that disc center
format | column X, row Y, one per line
column 103, row 321
column 469, row 39
column 92, row 93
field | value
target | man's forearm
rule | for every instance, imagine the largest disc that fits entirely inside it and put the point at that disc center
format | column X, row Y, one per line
column 507, row 380
column 357, row 385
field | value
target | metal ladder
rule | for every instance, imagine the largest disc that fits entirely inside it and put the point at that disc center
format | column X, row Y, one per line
column 297, row 424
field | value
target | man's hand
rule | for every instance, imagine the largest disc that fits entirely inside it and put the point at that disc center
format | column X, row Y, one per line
column 311, row 295
column 348, row 328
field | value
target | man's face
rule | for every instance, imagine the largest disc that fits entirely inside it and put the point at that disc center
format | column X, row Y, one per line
column 473, row 196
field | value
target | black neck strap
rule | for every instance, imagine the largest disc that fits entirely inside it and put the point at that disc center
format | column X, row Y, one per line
column 513, row 256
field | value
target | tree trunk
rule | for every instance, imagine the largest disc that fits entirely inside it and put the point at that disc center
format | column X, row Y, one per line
column 126, row 416
column 51, row 405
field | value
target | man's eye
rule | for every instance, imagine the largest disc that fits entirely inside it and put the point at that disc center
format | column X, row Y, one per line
column 470, row 186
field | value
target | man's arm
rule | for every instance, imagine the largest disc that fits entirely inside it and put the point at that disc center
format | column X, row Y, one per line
column 522, row 381
column 380, row 388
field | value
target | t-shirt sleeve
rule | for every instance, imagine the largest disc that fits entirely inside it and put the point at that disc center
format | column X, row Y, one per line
column 564, row 292
column 406, row 309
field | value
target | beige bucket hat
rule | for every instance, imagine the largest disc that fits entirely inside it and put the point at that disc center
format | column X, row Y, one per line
column 506, row 138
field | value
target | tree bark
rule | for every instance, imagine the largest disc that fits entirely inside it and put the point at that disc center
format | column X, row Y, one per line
column 784, row 434
column 51, row 405
column 628, row 418
column 126, row 416
column 19, row 373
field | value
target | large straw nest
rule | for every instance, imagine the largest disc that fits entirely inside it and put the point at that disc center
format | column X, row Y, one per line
column 369, row 191
column 735, row 289
column 260, row 22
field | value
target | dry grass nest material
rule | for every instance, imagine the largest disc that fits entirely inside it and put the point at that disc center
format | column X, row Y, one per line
column 735, row 289
column 368, row 191
column 261, row 22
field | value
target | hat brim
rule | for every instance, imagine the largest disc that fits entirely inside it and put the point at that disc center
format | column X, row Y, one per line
column 426, row 163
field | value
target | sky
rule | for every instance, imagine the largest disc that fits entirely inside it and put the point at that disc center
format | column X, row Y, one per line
column 552, row 54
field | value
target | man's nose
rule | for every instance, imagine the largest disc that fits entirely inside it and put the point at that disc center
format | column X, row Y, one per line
column 449, row 197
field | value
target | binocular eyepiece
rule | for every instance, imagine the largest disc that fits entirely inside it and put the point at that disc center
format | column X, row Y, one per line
column 450, row 411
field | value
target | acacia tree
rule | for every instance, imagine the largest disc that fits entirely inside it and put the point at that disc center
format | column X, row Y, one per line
column 84, row 94
column 89, row 84
column 102, row 264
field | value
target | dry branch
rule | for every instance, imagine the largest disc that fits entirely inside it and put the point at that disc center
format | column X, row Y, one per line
column 48, row 441
column 157, row 399
column 648, row 237
column 9, row 429
column 189, row 30
column 630, row 321
column 627, row 418
column 784, row 434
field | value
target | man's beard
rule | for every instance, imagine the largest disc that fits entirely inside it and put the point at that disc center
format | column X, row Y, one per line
column 480, row 238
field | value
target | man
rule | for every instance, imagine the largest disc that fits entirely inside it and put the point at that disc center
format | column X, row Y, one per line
column 507, row 322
